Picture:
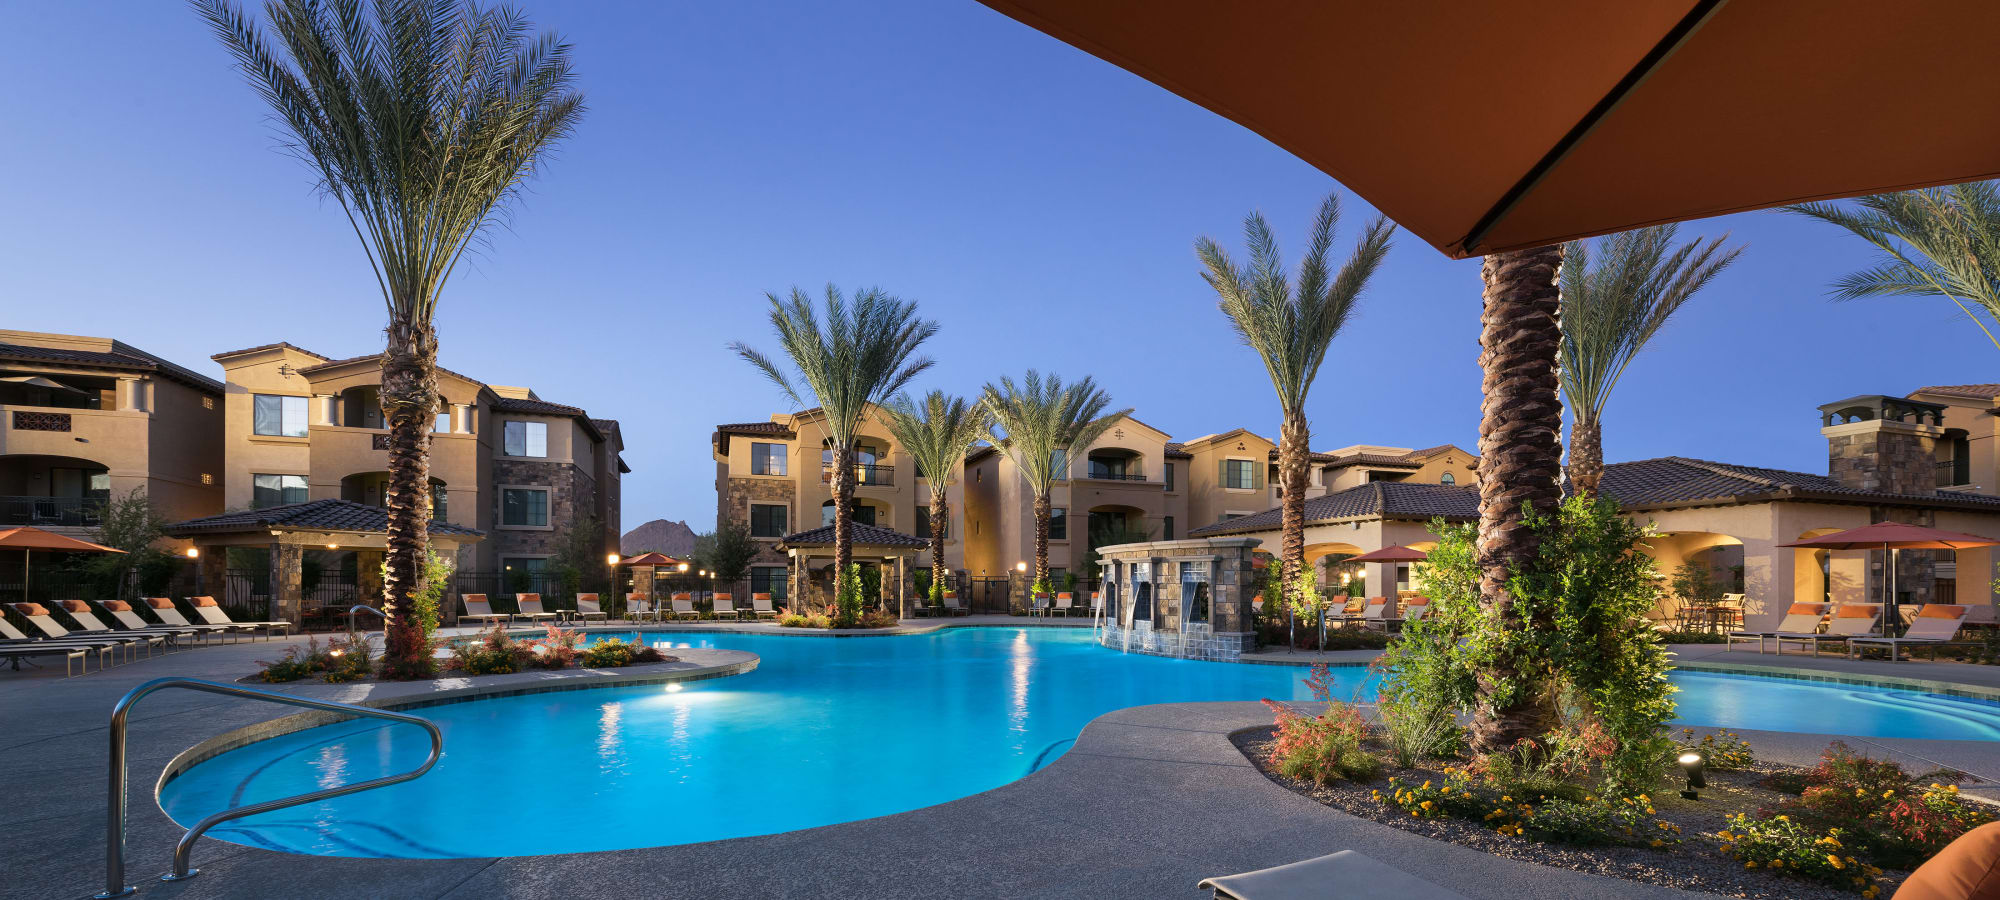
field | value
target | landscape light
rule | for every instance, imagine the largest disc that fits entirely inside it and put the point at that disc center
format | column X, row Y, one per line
column 674, row 688
column 193, row 552
column 1691, row 767
column 335, row 652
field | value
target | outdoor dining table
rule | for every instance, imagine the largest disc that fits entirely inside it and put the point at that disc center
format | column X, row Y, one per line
column 1710, row 616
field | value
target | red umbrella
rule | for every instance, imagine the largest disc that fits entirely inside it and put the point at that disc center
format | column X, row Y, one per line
column 1890, row 537
column 28, row 539
column 1391, row 553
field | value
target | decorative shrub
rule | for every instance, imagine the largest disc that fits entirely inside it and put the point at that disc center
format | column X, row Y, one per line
column 1585, row 820
column 290, row 667
column 811, row 621
column 1892, row 818
column 848, row 597
column 1720, row 750
column 1417, row 729
column 616, row 653
column 341, row 660
column 1323, row 749
column 557, row 650
column 494, row 654
column 1785, row 846
column 1693, row 637
column 879, row 618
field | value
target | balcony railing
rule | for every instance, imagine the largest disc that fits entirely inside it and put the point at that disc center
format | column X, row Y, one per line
column 1101, row 475
column 864, row 475
column 40, row 421
column 1949, row 473
column 51, row 512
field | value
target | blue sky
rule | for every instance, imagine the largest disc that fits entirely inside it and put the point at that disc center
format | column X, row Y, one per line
column 1037, row 202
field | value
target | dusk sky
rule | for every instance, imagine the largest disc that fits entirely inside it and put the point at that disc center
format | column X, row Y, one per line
column 1040, row 204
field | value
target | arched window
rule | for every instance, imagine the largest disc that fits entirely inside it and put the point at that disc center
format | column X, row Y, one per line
column 1447, row 478
column 863, row 513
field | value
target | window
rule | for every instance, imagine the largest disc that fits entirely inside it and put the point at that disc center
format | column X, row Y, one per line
column 276, row 490
column 524, row 506
column 923, row 529
column 1056, row 574
column 278, row 416
column 1167, row 528
column 862, row 513
column 1239, row 474
column 1170, row 476
column 768, row 580
column 1058, row 524
column 1227, row 516
column 438, row 507
column 767, row 459
column 1447, row 478
column 1059, row 465
column 767, row 520
column 441, row 423
column 526, row 438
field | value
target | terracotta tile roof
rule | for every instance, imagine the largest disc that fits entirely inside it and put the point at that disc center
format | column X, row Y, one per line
column 312, row 515
column 1368, row 459
column 536, row 407
column 720, row 439
column 1177, row 450
column 1386, row 499
column 1969, row 391
column 862, row 534
column 275, row 346
column 367, row 357
column 136, row 361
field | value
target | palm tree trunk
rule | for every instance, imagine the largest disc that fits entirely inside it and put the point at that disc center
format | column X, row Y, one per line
column 1041, row 544
column 1294, row 440
column 409, row 402
column 940, row 519
column 1586, row 455
column 843, row 517
column 1520, row 457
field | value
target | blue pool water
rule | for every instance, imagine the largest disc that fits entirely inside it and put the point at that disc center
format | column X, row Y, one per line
column 823, row 731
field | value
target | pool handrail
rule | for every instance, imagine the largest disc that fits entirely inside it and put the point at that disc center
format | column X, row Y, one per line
column 361, row 606
column 114, row 827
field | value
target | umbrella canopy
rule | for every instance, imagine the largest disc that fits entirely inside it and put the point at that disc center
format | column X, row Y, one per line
column 650, row 558
column 31, row 538
column 1894, row 536
column 1505, row 125
column 1391, row 553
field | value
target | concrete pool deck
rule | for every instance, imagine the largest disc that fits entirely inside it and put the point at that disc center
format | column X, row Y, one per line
column 1149, row 801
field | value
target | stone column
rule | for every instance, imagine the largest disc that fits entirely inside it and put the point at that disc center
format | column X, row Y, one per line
column 325, row 409
column 1767, row 582
column 287, row 593
column 213, row 568
column 461, row 418
column 128, row 393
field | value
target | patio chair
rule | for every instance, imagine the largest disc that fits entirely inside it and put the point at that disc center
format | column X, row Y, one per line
column 725, row 605
column 1850, row 620
column 12, row 638
column 14, row 653
column 952, row 606
column 1039, row 605
column 639, row 606
column 684, row 606
column 478, row 609
column 38, row 616
column 211, row 613
column 1376, row 610
column 531, row 608
column 1935, row 624
column 1413, row 610
column 1801, row 618
column 1356, row 874
column 1096, row 604
column 1064, row 604
column 170, row 615
column 587, row 608
column 130, row 621
column 87, row 623
column 760, row 606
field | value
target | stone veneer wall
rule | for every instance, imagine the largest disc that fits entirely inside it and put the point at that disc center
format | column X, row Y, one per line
column 736, row 505
column 1230, row 630
column 1888, row 457
column 571, row 495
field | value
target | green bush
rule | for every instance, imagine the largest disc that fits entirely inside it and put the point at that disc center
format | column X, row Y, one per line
column 1782, row 845
column 848, row 598
column 1721, row 750
column 1416, row 730
column 1894, row 818
column 615, row 653
column 1693, row 637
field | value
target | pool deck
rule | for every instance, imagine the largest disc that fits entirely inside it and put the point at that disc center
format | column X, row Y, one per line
column 1150, row 800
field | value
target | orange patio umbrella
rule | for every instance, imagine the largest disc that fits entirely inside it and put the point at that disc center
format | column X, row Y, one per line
column 28, row 539
column 1391, row 553
column 1512, row 124
column 1890, row 537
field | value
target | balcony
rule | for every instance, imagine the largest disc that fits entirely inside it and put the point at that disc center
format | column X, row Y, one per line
column 1107, row 475
column 865, row 475
column 51, row 512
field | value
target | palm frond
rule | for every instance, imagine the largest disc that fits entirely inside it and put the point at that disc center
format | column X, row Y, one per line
column 1041, row 417
column 1942, row 242
column 937, row 433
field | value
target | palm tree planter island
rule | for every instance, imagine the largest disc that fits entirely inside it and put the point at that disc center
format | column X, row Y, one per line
column 421, row 121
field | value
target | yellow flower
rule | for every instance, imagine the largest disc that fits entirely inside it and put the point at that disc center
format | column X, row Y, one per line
column 1888, row 794
column 1727, row 836
column 1426, row 804
column 1784, row 818
column 1659, row 843
column 1870, row 893
column 1777, row 864
column 1750, row 864
column 1952, row 788
column 1835, row 861
column 1427, row 785
column 1506, row 799
column 1860, row 792
column 1413, row 814
column 1728, row 848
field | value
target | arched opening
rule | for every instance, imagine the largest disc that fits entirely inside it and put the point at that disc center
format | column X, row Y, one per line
column 360, row 407
column 866, row 511
column 1116, row 464
column 52, row 491
column 1954, row 458
column 1703, row 576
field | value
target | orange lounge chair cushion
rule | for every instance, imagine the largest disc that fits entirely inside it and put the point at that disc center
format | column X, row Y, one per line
column 680, row 597
column 159, row 603
column 203, row 601
column 30, row 609
column 1804, row 609
column 117, row 606
column 1856, row 612
column 76, row 606
column 1941, row 611
column 590, row 597
column 634, row 596
column 725, row 598
column 1966, row 869
column 475, row 598
column 1419, row 601
column 1063, row 596
column 760, row 596
column 1378, row 601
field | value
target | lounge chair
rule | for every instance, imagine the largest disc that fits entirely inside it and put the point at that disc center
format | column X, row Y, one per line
column 1096, row 604
column 38, row 616
column 170, row 615
column 1354, row 874
column 1850, row 620
column 639, row 606
column 760, row 606
column 952, row 606
column 1801, row 618
column 1064, row 604
column 87, row 623
column 1039, row 605
column 1413, row 611
column 531, row 609
column 684, row 606
column 587, row 608
column 725, row 605
column 1376, row 610
column 11, row 638
column 1936, row 623
column 478, row 609
column 211, row 613
column 130, row 621
column 14, row 653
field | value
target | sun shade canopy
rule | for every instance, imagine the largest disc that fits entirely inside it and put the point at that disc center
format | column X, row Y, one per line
column 30, row 538
column 1391, row 553
column 1509, row 124
column 650, row 558
column 1894, row 535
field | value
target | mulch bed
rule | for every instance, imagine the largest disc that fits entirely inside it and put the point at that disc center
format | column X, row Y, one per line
column 1695, row 865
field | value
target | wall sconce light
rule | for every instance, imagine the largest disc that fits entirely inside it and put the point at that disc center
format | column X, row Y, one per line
column 610, row 559
column 333, row 546
column 1020, row 567
column 194, row 553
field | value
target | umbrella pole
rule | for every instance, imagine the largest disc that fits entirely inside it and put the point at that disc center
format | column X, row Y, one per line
column 1893, row 610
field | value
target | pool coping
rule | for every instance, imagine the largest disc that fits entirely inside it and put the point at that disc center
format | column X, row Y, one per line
column 1960, row 690
column 516, row 684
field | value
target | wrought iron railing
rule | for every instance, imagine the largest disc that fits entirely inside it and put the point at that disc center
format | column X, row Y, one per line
column 1101, row 475
column 865, row 474
column 50, row 512
column 40, row 421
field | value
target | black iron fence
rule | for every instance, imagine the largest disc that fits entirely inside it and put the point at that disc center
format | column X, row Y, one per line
column 51, row 512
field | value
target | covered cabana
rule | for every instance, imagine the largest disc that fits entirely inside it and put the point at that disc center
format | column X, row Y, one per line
column 807, row 549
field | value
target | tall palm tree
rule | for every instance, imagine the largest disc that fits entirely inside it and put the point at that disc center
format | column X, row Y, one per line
column 937, row 433
column 1940, row 242
column 1034, row 423
column 1291, row 328
column 1520, row 423
column 421, row 120
column 1611, row 307
column 857, row 358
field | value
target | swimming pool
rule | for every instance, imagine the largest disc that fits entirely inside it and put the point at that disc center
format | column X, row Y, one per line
column 823, row 731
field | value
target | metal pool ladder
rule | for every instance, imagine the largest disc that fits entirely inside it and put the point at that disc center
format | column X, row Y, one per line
column 361, row 607
column 114, row 826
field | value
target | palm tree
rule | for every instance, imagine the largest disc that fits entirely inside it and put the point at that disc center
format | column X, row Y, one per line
column 421, row 120
column 937, row 434
column 1520, row 421
column 860, row 355
column 1291, row 328
column 1611, row 307
column 1042, row 420
column 1940, row 242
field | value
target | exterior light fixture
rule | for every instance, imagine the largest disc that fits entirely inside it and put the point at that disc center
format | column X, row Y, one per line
column 333, row 546
column 684, row 567
column 335, row 652
column 1691, row 766
column 610, row 559
column 1020, row 567
column 194, row 553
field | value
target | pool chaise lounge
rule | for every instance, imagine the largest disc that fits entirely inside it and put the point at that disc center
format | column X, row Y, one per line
column 1413, row 611
column 1356, row 875
column 212, row 613
column 1850, row 620
column 11, row 637
column 86, row 620
column 725, row 605
column 760, row 606
column 479, row 609
column 1801, row 618
column 14, row 653
column 132, row 641
column 130, row 621
column 587, row 608
column 530, row 606
column 169, row 615
column 684, row 606
column 1936, row 624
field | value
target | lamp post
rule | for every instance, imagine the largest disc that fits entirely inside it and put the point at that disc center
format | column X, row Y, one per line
column 194, row 554
column 617, row 598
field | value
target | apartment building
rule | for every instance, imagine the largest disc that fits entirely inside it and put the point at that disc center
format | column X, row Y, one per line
column 89, row 418
column 302, row 426
column 776, row 476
